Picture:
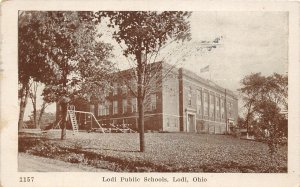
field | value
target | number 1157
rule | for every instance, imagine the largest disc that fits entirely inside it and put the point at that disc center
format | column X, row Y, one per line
column 26, row 179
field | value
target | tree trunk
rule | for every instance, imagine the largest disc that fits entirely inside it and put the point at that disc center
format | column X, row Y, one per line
column 34, row 116
column 63, row 124
column 140, row 100
column 141, row 124
column 41, row 115
column 38, row 124
column 64, row 104
column 32, row 94
column 23, row 102
column 248, row 117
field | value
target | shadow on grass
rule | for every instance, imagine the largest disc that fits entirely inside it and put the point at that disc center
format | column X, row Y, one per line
column 115, row 150
column 119, row 150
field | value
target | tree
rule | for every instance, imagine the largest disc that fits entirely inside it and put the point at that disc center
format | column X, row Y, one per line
column 251, row 90
column 265, row 97
column 23, row 95
column 241, row 122
column 270, row 119
column 144, row 34
column 256, row 87
column 41, row 113
column 44, row 120
column 33, row 97
column 30, row 56
column 71, row 54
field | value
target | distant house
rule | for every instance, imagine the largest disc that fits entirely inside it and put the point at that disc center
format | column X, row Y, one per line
column 182, row 102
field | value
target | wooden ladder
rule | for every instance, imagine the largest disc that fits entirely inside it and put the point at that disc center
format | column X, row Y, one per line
column 71, row 112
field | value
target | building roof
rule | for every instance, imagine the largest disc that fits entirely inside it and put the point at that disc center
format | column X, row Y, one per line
column 206, row 82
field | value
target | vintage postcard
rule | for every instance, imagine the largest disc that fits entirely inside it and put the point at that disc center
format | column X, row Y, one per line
column 155, row 93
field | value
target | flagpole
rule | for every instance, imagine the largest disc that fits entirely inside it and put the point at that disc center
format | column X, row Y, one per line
column 204, row 70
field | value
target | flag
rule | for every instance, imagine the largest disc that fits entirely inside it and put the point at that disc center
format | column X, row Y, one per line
column 205, row 69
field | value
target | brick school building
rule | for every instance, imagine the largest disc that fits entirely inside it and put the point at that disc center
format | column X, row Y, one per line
column 179, row 102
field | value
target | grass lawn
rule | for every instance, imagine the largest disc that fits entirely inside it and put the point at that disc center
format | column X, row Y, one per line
column 165, row 152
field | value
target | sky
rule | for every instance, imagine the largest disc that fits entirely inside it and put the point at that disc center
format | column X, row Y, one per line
column 251, row 42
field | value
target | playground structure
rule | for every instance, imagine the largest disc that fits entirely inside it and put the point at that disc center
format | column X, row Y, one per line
column 88, row 121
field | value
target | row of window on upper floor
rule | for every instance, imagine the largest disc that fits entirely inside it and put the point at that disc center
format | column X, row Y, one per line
column 214, row 106
column 125, row 89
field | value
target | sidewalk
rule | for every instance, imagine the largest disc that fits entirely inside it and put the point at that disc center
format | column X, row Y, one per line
column 31, row 163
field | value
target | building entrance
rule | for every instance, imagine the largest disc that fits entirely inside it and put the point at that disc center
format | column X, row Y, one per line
column 191, row 123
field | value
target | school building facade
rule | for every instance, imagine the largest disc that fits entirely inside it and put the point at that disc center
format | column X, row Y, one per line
column 179, row 102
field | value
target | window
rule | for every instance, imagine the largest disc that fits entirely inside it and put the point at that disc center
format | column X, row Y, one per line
column 105, row 93
column 168, row 122
column 133, row 105
column 124, row 106
column 103, row 109
column 107, row 107
column 153, row 101
column 92, row 109
column 229, row 105
column 218, row 107
column 115, row 107
column 230, row 109
column 133, row 85
column 154, row 83
column 175, row 123
column 199, row 109
column 115, row 89
column 212, row 106
column 205, row 104
column 124, row 89
column 199, row 101
column 190, row 101
column 100, row 109
column 222, row 109
column 190, row 96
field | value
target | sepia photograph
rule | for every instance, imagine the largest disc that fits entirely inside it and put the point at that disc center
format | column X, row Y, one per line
column 148, row 91
column 173, row 93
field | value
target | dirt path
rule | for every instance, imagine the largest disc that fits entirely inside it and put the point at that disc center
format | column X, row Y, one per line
column 30, row 163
